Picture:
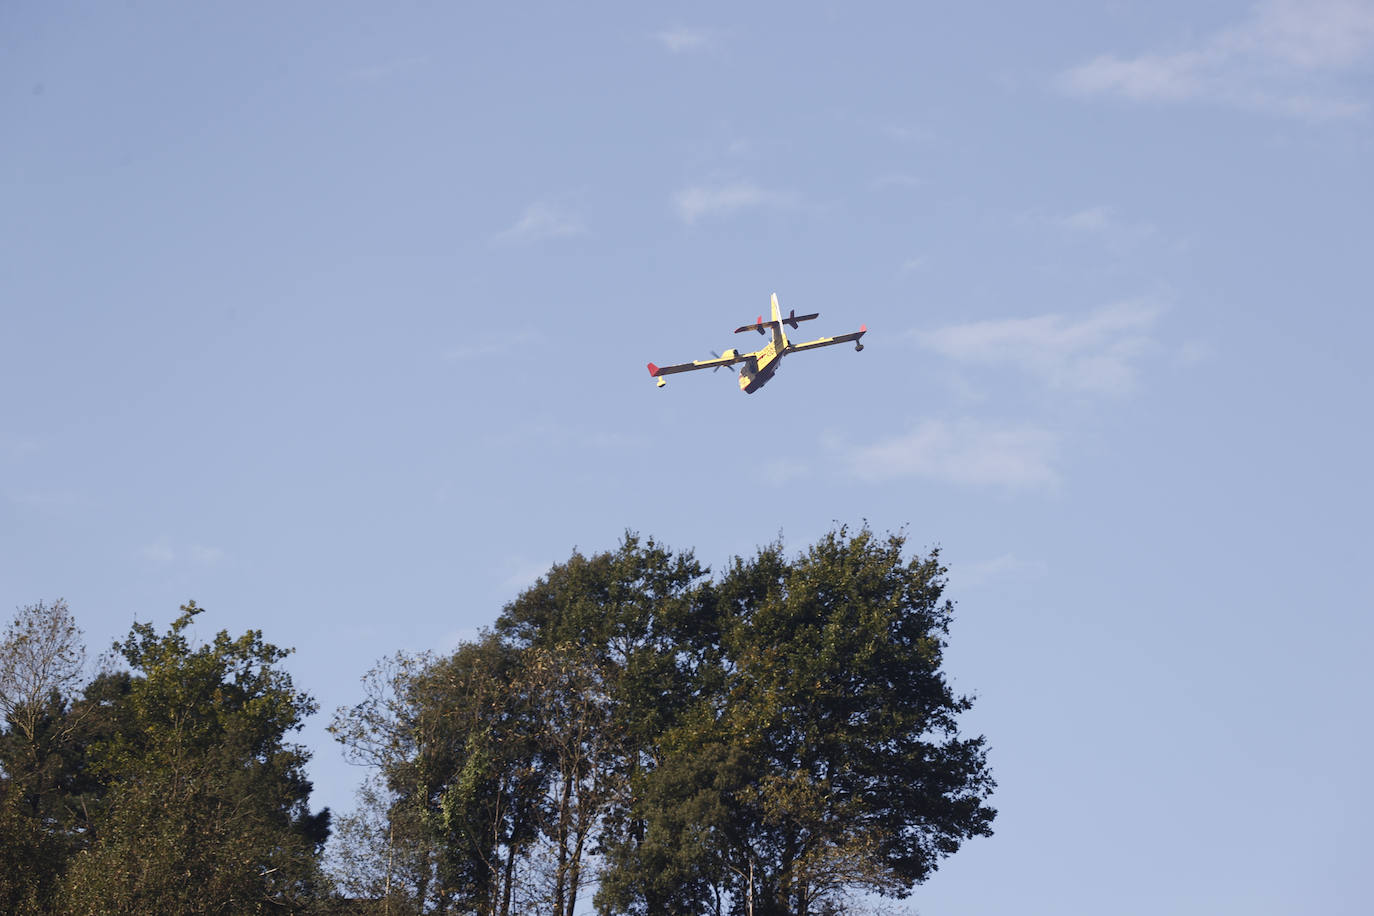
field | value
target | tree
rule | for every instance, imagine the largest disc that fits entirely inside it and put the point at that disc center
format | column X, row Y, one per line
column 516, row 747
column 847, row 771
column 477, row 771
column 769, row 742
column 453, row 743
column 207, row 809
column 616, row 642
column 382, row 853
column 41, row 654
column 380, row 859
column 42, row 785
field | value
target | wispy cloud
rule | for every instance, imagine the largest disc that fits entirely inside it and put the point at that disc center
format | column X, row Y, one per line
column 1007, row 566
column 1103, row 223
column 700, row 201
column 780, row 471
column 681, row 39
column 1093, row 219
column 508, row 342
column 904, row 133
column 1274, row 60
column 519, row 573
column 159, row 553
column 1096, row 352
column 163, row 553
column 542, row 221
column 966, row 451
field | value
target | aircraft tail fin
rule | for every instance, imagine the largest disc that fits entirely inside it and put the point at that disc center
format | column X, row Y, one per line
column 792, row 318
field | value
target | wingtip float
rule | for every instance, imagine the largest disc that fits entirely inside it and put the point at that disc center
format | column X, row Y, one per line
column 761, row 365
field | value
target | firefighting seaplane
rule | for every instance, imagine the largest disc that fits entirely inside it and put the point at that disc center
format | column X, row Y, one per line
column 761, row 365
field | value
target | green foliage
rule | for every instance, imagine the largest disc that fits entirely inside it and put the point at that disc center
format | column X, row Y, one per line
column 41, row 655
column 30, row 857
column 48, row 794
column 821, row 754
column 385, row 852
column 835, row 700
column 206, row 810
column 769, row 742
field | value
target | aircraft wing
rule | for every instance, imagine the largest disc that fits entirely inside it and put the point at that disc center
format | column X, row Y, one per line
column 828, row 341
column 729, row 359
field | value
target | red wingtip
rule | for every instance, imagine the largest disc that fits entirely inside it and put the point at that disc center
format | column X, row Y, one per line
column 863, row 328
column 653, row 370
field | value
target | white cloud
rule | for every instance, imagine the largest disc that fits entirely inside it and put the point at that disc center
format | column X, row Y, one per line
column 680, row 39
column 1148, row 78
column 1311, row 34
column 1094, row 219
column 480, row 350
column 740, row 147
column 162, row 553
column 904, row 133
column 542, row 221
column 694, row 203
column 966, row 452
column 508, row 342
column 1104, row 224
column 1007, row 566
column 1097, row 352
column 781, row 471
column 205, row 556
column 520, row 573
column 1264, row 63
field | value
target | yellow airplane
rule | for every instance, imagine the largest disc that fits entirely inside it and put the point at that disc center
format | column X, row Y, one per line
column 761, row 365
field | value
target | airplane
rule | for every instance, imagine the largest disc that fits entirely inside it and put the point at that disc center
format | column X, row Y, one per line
column 761, row 365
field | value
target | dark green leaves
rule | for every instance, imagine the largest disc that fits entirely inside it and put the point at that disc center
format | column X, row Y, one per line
column 769, row 742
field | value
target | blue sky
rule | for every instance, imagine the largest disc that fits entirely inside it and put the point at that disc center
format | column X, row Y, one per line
column 334, row 318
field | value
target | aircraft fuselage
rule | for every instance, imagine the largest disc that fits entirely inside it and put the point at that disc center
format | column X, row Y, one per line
column 757, row 371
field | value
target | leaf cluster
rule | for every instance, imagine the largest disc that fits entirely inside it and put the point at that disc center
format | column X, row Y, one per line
column 769, row 740
column 170, row 787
